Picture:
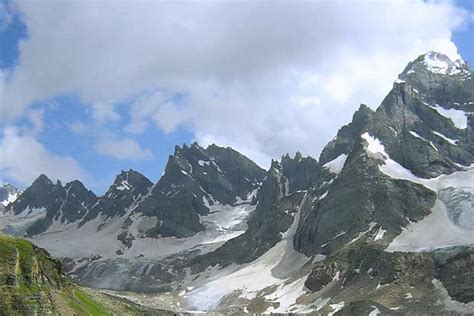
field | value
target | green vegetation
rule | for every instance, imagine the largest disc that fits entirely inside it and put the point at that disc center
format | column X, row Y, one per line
column 82, row 304
column 31, row 282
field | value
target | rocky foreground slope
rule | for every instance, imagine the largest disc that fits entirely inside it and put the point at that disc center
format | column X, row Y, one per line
column 382, row 223
column 32, row 283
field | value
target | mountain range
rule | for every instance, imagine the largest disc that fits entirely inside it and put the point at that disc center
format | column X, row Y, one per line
column 382, row 222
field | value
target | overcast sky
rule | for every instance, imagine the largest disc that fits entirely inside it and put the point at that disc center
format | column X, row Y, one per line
column 91, row 87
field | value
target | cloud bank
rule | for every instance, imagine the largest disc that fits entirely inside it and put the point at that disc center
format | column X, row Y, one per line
column 263, row 77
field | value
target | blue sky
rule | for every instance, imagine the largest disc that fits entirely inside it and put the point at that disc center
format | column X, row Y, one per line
column 464, row 38
column 89, row 126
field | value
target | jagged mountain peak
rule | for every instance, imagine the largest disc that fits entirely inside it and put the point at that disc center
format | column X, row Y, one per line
column 128, row 187
column 275, row 165
column 298, row 156
column 347, row 134
column 185, row 146
column 74, row 184
column 8, row 194
column 196, row 161
column 9, row 187
column 42, row 179
column 437, row 79
column 438, row 64
column 195, row 179
column 127, row 180
column 76, row 190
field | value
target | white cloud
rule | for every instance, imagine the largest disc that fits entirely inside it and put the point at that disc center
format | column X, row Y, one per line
column 123, row 149
column 103, row 112
column 143, row 109
column 23, row 159
column 35, row 116
column 241, row 65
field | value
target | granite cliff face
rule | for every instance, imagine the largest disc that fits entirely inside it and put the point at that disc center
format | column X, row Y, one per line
column 383, row 222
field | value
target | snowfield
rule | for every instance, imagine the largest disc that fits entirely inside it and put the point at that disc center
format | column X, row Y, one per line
column 247, row 280
column 99, row 236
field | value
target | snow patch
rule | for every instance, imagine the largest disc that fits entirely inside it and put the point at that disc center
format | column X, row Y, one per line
column 458, row 117
column 374, row 312
column 286, row 295
column 414, row 134
column 203, row 163
column 336, row 307
column 390, row 167
column 10, row 199
column 374, row 145
column 449, row 140
column 440, row 64
column 323, row 196
column 336, row 165
column 380, row 233
column 124, row 185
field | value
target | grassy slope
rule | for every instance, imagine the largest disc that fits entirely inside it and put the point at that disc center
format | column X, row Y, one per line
column 32, row 282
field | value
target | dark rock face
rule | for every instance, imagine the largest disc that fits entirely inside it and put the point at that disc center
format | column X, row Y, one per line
column 359, row 196
column 454, row 268
column 407, row 127
column 411, row 125
column 194, row 179
column 300, row 172
column 242, row 174
column 127, row 188
column 452, row 87
column 347, row 135
column 65, row 204
column 409, row 121
column 279, row 199
column 39, row 194
column 365, row 276
column 364, row 260
column 77, row 201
